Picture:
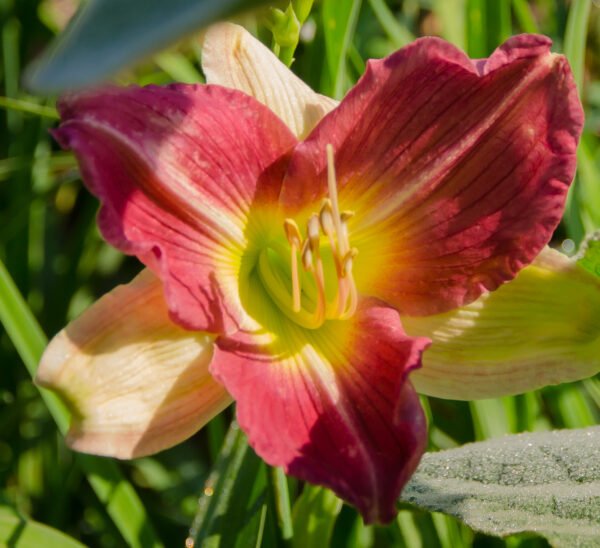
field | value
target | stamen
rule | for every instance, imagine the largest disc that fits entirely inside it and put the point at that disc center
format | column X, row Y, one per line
column 292, row 233
column 312, row 235
column 327, row 224
column 326, row 217
column 306, row 255
column 332, row 187
column 312, row 230
column 347, row 262
column 350, row 311
column 331, row 223
column 347, row 274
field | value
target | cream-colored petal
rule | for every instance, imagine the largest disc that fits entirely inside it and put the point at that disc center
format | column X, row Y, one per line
column 541, row 328
column 135, row 382
column 233, row 58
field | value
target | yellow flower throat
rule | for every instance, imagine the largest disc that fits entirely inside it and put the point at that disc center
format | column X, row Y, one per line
column 308, row 304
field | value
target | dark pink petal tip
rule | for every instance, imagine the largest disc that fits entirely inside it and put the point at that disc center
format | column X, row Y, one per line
column 339, row 411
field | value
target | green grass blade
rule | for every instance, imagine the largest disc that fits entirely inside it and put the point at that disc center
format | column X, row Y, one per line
column 19, row 532
column 491, row 418
column 230, row 512
column 476, row 25
column 398, row 34
column 315, row 512
column 281, row 495
column 120, row 500
column 498, row 23
column 28, row 338
column 575, row 37
column 574, row 49
column 587, row 194
column 339, row 22
column 114, row 491
column 524, row 16
column 178, row 67
column 575, row 409
column 28, row 107
column 451, row 14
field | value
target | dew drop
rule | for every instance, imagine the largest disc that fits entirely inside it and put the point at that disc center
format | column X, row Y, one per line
column 568, row 246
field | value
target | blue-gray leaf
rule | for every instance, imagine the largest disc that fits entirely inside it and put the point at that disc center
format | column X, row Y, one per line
column 547, row 483
column 106, row 35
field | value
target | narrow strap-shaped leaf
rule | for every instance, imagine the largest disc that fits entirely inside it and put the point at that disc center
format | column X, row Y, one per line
column 339, row 20
column 452, row 17
column 314, row 515
column 28, row 338
column 398, row 34
column 476, row 28
column 575, row 37
column 29, row 107
column 574, row 49
column 17, row 531
column 114, row 491
column 232, row 507
column 279, row 488
column 524, row 16
column 106, row 35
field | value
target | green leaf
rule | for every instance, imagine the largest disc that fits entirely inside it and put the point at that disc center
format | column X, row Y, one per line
column 107, row 35
column 28, row 338
column 476, row 29
column 232, row 511
column 575, row 37
column 315, row 512
column 398, row 34
column 590, row 254
column 524, row 16
column 546, row 482
column 582, row 213
column 339, row 25
column 452, row 17
column 17, row 531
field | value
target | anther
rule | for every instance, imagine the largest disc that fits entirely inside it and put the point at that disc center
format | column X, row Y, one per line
column 326, row 217
column 312, row 231
column 347, row 214
column 292, row 233
column 306, row 255
column 347, row 262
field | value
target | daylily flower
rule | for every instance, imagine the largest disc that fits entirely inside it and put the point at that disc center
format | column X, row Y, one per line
column 280, row 267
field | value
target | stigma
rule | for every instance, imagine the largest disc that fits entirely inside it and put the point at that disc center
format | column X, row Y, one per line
column 331, row 227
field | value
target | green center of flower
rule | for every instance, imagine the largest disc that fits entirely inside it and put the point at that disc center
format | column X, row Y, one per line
column 309, row 297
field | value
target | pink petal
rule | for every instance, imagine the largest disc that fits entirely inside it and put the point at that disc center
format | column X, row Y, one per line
column 177, row 170
column 457, row 171
column 332, row 406
column 136, row 382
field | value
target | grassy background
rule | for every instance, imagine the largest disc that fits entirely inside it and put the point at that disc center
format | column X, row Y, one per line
column 52, row 250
